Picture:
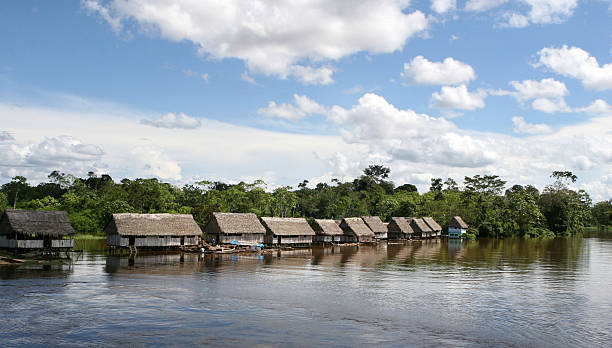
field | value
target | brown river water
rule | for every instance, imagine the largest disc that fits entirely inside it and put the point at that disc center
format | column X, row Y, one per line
column 502, row 293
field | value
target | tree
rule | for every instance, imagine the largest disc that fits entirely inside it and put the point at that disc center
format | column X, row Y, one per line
column 283, row 201
column 407, row 188
column 436, row 185
column 488, row 184
column 377, row 172
column 566, row 211
column 13, row 189
column 602, row 212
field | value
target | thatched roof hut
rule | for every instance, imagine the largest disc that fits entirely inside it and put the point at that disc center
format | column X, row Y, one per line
column 327, row 231
column 326, row 227
column 420, row 228
column 234, row 223
column 376, row 225
column 435, row 227
column 288, row 226
column 399, row 228
column 457, row 222
column 237, row 228
column 357, row 228
column 35, row 223
column 287, row 230
column 129, row 224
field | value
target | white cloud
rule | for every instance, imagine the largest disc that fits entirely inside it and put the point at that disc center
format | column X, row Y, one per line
column 598, row 107
column 579, row 64
column 61, row 149
column 131, row 149
column 551, row 105
column 273, row 38
column 302, row 107
column 443, row 6
column 582, row 163
column 515, row 20
column 448, row 72
column 415, row 146
column 47, row 154
column 313, row 76
column 541, row 12
column 152, row 161
column 521, row 126
column 204, row 77
column 96, row 7
column 6, row 137
column 458, row 98
column 483, row 5
column 550, row 11
column 248, row 78
column 172, row 120
column 546, row 88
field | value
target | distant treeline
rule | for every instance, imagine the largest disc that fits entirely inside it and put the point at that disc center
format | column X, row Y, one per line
column 482, row 201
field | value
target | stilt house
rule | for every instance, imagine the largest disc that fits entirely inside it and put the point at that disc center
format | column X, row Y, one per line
column 434, row 226
column 399, row 228
column 287, row 231
column 241, row 228
column 376, row 225
column 35, row 229
column 420, row 228
column 327, row 231
column 152, row 230
column 457, row 227
column 356, row 231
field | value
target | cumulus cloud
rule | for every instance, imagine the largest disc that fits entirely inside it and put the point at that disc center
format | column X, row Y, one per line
column 39, row 158
column 443, row 6
column 551, row 106
column 598, row 107
column 579, row 64
column 545, row 88
column 302, row 107
column 172, row 120
column 62, row 149
column 458, row 98
column 448, row 72
column 273, row 38
column 521, row 126
column 154, row 162
column 541, row 12
column 395, row 134
column 515, row 20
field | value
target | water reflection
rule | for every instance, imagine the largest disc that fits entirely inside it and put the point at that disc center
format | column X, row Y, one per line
column 511, row 292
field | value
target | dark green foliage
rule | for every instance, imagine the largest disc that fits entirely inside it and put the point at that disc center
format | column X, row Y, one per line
column 602, row 212
column 520, row 211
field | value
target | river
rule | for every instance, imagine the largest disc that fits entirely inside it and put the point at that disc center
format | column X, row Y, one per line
column 512, row 292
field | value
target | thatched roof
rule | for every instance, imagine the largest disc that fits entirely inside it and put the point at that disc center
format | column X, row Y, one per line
column 457, row 222
column 400, row 224
column 375, row 224
column 432, row 224
column 327, row 227
column 357, row 226
column 419, row 226
column 288, row 226
column 234, row 223
column 128, row 224
column 36, row 222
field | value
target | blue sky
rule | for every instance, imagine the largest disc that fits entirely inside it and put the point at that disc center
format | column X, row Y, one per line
column 287, row 91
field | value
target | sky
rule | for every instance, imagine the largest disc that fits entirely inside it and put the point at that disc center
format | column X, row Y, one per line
column 286, row 91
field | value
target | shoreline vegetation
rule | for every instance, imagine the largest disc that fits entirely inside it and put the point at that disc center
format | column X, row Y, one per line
column 486, row 203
